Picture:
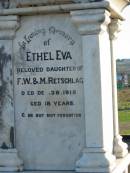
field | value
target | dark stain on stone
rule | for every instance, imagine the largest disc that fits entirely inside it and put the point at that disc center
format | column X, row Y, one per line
column 11, row 73
column 7, row 78
column 12, row 103
column 4, row 59
column 11, row 83
column 12, row 136
column 19, row 170
column 2, row 96
column 5, row 4
column 4, row 146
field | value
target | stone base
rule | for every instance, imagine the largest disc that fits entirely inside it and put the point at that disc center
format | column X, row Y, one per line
column 95, row 160
column 9, row 161
column 121, row 167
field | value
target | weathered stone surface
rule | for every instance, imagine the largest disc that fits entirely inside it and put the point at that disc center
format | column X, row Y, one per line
column 9, row 160
column 6, row 97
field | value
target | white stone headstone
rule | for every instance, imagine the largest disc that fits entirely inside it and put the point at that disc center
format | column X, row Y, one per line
column 48, row 75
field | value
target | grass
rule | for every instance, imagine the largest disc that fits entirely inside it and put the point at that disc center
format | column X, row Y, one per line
column 125, row 132
column 124, row 116
column 124, row 110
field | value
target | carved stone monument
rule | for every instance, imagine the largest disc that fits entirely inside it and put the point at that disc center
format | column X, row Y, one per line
column 58, row 103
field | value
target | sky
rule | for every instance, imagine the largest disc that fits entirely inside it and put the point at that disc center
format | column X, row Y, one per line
column 123, row 41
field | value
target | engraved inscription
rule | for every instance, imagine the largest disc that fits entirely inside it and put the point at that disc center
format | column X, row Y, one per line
column 35, row 75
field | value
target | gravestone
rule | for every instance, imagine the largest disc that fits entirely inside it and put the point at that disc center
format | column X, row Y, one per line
column 48, row 77
column 57, row 87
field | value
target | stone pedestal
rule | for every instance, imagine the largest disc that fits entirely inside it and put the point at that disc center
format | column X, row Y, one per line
column 65, row 119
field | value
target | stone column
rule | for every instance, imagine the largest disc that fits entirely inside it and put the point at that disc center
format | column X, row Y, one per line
column 9, row 160
column 120, row 148
column 97, row 155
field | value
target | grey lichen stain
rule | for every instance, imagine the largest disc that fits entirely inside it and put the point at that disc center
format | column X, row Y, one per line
column 4, row 146
column 4, row 59
column 4, row 93
column 4, row 4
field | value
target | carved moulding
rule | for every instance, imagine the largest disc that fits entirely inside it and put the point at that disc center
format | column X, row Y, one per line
column 119, row 4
